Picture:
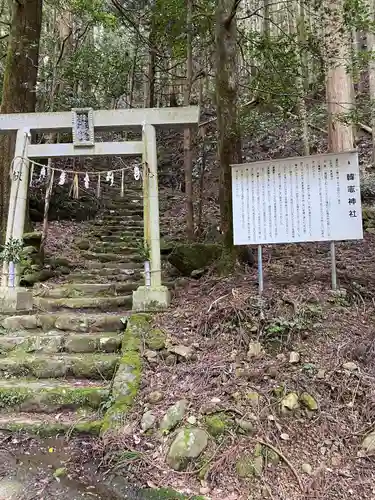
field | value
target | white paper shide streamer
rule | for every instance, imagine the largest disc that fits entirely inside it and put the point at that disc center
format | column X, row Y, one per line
column 137, row 173
column 110, row 177
column 43, row 171
column 62, row 179
column 87, row 181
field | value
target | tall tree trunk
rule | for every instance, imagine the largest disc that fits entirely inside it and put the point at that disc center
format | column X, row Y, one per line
column 151, row 67
column 229, row 142
column 188, row 158
column 338, row 80
column 19, row 83
column 371, row 71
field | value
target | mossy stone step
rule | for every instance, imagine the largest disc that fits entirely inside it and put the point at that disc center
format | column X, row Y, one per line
column 86, row 290
column 46, row 425
column 47, row 396
column 119, row 248
column 79, row 323
column 121, row 267
column 56, row 341
column 122, row 219
column 111, row 257
column 116, row 230
column 91, row 366
column 102, row 303
column 111, row 275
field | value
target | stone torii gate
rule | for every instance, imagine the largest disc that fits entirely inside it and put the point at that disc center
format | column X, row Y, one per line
column 83, row 123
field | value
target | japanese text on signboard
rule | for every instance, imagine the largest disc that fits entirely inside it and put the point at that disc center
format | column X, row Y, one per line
column 313, row 198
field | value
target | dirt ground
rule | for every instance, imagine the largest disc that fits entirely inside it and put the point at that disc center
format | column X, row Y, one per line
column 218, row 318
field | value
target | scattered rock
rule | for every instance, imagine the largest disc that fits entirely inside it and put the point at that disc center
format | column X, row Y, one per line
column 307, row 469
column 245, row 425
column 198, row 273
column 281, row 357
column 188, row 445
column 156, row 339
column 255, row 350
column 173, row 416
column 294, row 357
column 253, row 398
column 350, row 366
column 151, row 356
column 271, row 457
column 170, row 360
column 290, row 402
column 217, row 424
column 192, row 420
column 308, row 401
column 83, row 244
column 154, row 397
column 181, row 350
column 10, row 489
column 248, row 466
column 148, row 421
column 321, row 374
column 368, row 444
column 284, row 436
column 60, row 472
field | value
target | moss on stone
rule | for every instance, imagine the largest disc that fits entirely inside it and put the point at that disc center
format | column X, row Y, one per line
column 189, row 257
column 10, row 397
column 47, row 429
column 127, row 380
column 217, row 424
column 155, row 339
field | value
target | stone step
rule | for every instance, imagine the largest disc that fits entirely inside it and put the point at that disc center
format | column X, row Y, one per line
column 122, row 219
column 122, row 248
column 57, row 341
column 45, row 425
column 118, row 224
column 121, row 267
column 99, row 303
column 125, row 212
column 116, row 230
column 108, row 274
column 51, row 395
column 85, row 290
column 111, row 257
column 90, row 366
column 79, row 323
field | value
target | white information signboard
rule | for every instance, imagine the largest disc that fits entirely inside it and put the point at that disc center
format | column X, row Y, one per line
column 306, row 198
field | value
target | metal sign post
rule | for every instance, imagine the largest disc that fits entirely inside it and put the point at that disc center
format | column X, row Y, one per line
column 260, row 270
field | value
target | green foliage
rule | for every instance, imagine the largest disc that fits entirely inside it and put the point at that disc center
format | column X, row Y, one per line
column 12, row 251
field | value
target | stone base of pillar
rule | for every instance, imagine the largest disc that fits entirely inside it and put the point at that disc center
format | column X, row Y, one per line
column 147, row 299
column 15, row 300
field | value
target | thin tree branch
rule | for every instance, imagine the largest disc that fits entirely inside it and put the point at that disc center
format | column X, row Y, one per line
column 232, row 13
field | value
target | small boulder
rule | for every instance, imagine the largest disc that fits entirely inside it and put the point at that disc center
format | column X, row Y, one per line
column 255, row 350
column 155, row 339
column 307, row 469
column 368, row 444
column 154, row 397
column 350, row 366
column 308, row 401
column 248, row 466
column 187, row 257
column 294, row 357
column 253, row 398
column 290, row 402
column 173, row 416
column 187, row 445
column 148, row 421
column 183, row 351
column 217, row 424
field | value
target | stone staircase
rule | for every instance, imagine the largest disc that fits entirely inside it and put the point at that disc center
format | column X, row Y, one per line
column 57, row 364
